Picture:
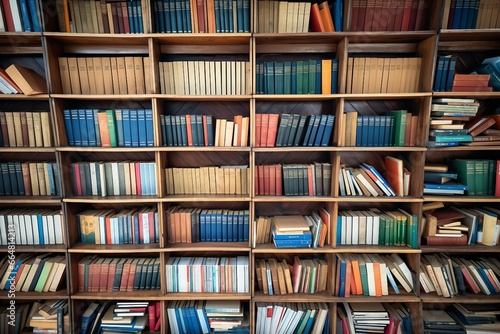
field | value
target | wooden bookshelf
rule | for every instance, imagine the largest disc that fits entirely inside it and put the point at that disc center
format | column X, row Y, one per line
column 42, row 50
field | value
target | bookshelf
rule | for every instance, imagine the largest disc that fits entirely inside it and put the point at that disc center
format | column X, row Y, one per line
column 41, row 52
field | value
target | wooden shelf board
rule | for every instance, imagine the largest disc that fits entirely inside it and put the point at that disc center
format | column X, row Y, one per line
column 375, row 249
column 380, row 149
column 205, row 198
column 477, row 95
column 20, row 295
column 386, row 96
column 32, row 200
column 111, row 97
column 462, row 148
column 212, row 246
column 203, row 149
column 27, row 150
column 111, row 249
column 391, row 298
column 463, row 199
column 105, row 149
column 293, row 199
column 100, row 39
column 20, row 37
column 461, row 35
column 295, row 97
column 323, row 296
column 460, row 249
column 37, row 249
column 21, row 97
column 379, row 199
column 112, row 199
column 221, row 98
column 270, row 248
column 295, row 149
column 468, row 298
column 201, row 38
column 205, row 296
column 119, row 295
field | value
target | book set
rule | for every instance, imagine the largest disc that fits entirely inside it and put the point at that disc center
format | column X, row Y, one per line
column 32, row 226
column 293, row 179
column 97, row 274
column 310, row 76
column 29, row 179
column 467, row 317
column 25, row 129
column 444, row 78
column 114, row 17
column 474, row 14
column 208, row 274
column 109, row 128
column 113, row 178
column 30, row 273
column 280, row 278
column 48, row 316
column 189, row 225
column 111, row 227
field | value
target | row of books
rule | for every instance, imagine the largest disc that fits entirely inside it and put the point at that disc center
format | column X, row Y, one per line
column 280, row 278
column 371, row 275
column 113, row 178
column 187, row 225
column 397, row 128
column 449, row 276
column 211, row 316
column 373, row 227
column 312, row 76
column 293, row 179
column 231, row 133
column 291, row 317
column 462, row 226
column 208, row 274
column 364, row 181
column 97, row 274
column 188, row 130
column 367, row 75
column 293, row 130
column 223, row 180
column 121, row 317
column 17, row 79
column 29, row 179
column 373, row 317
column 49, row 316
column 400, row 15
column 40, row 273
column 445, row 73
column 297, row 231
column 189, row 16
column 128, row 226
column 25, row 129
column 222, row 77
column 109, row 128
column 106, row 75
column 478, row 175
column 31, row 227
column 474, row 14
column 20, row 16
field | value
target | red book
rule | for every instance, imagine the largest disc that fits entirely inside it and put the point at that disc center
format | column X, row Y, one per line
column 377, row 15
column 310, row 180
column 103, row 282
column 131, row 276
column 189, row 130
column 116, row 21
column 125, row 16
column 157, row 310
column 479, row 124
column 479, row 77
column 316, row 24
column 151, row 317
column 119, row 13
column 104, row 14
column 272, row 130
column 471, row 89
column 205, row 130
column 422, row 10
column 272, row 181
column 81, row 277
column 264, row 127
column 267, row 181
column 405, row 23
column 76, row 175
column 95, row 276
column 413, row 15
column 399, row 16
column 125, row 274
column 260, row 175
column 7, row 78
column 7, row 11
column 202, row 16
column 497, row 182
column 279, row 180
column 369, row 15
column 108, row 230
column 354, row 15
column 19, row 271
column 258, row 129
column 386, row 16
column 362, row 15
column 111, row 274
column 138, row 178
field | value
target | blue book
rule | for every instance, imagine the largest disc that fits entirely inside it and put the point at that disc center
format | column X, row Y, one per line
column 432, row 143
column 359, row 131
column 167, row 18
column 229, row 227
column 382, row 134
column 246, row 225
column 307, row 235
column 389, row 130
column 235, row 227
column 365, row 130
column 379, row 178
column 82, row 121
column 458, row 14
column 179, row 15
column 163, row 131
column 6, row 179
column 11, row 167
column 198, row 129
column 57, row 179
column 167, row 131
column 246, row 15
column 218, row 16
column 452, row 138
column 293, row 77
column 391, row 280
column 138, row 16
column 134, row 128
column 119, row 127
column 210, row 130
column 127, row 133
column 50, row 174
column 308, row 128
column 23, row 7
column 69, row 127
column 12, row 274
column 342, row 286
column 156, row 12
column 175, row 125
column 91, row 131
column 96, row 128
column 183, row 131
column 270, row 77
column 293, row 243
column 335, row 66
column 224, row 225
column 371, row 131
column 444, row 75
column 75, row 121
column 2, row 188
column 171, row 10
column 494, row 75
column 278, row 77
column 321, row 130
column 203, row 224
column 447, row 186
column 439, row 74
column 37, row 27
column 376, row 131
column 314, row 131
column 239, row 16
column 451, row 73
column 465, row 14
column 230, row 14
column 471, row 15
column 476, row 13
column 141, row 125
column 218, row 224
column 338, row 10
column 187, row 16
column 152, row 178
column 317, row 85
column 149, row 127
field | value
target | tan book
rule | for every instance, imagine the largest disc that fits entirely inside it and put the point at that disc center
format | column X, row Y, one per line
column 107, row 75
column 109, row 10
column 31, row 128
column 219, row 181
column 284, row 15
column 436, row 268
column 46, row 129
column 52, row 272
column 212, row 173
column 64, row 72
column 37, row 124
column 366, row 75
column 204, row 180
column 130, row 75
column 83, row 75
column 191, row 78
column 9, row 119
column 161, row 68
column 178, row 79
column 385, row 75
column 148, row 84
column 35, row 188
column 91, row 75
column 185, row 71
column 138, row 75
column 169, row 77
column 373, row 84
column 125, row 69
column 30, row 82
column 41, row 178
column 115, row 78
column 100, row 21
column 357, row 75
column 98, row 76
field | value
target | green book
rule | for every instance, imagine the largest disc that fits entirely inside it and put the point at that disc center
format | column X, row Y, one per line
column 491, row 177
column 287, row 77
column 278, row 77
column 112, row 127
column 269, row 77
column 399, row 126
column 480, row 175
column 466, row 170
column 300, row 75
column 312, row 77
column 381, row 231
column 364, row 276
column 305, row 78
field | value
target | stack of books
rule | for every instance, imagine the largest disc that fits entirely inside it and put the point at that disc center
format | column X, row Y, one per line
column 279, row 278
column 125, row 317
column 365, row 181
column 29, row 179
column 471, row 83
column 48, row 316
column 491, row 67
column 295, row 231
column 25, row 129
column 445, row 70
column 439, row 321
column 43, row 273
column 291, row 317
column 438, row 180
column 479, row 317
column 20, row 16
column 448, row 119
column 371, row 275
column 484, row 130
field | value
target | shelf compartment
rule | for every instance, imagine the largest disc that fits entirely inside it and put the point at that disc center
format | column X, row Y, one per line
column 271, row 199
column 323, row 296
column 213, row 246
column 270, row 248
column 132, row 199
column 61, row 294
column 386, row 96
column 119, row 295
column 205, row 296
column 381, row 199
column 111, row 97
column 172, row 97
column 375, row 249
column 115, row 249
column 203, row 149
column 21, row 97
column 37, row 249
column 476, row 95
column 279, row 149
column 296, row 97
column 23, row 150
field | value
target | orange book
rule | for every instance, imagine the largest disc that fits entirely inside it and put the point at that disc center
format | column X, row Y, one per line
column 326, row 17
column 326, row 76
column 394, row 171
column 325, row 218
column 211, row 16
column 356, row 274
column 131, row 275
column 258, row 129
column 111, row 274
column 378, row 282
column 108, row 230
column 272, row 181
column 310, row 180
column 189, row 130
column 316, row 24
column 66, row 16
column 478, row 77
column 238, row 120
column 264, row 127
column 103, row 282
column 102, row 119
column 125, row 274
column 19, row 271
column 471, row 83
column 471, row 89
column 348, row 278
column 272, row 129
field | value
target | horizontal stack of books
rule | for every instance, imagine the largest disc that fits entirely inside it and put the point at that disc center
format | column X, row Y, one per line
column 471, row 83
column 109, row 128
column 32, row 226
column 445, row 72
column 208, row 274
column 280, row 278
column 113, row 178
column 48, row 316
column 223, row 180
column 463, row 318
column 187, row 225
column 484, row 130
column 128, row 226
column 373, row 227
column 296, row 231
column 371, row 275
column 311, row 76
column 25, row 129
column 449, row 276
column 29, row 179
column 41, row 273
column 303, row 317
column 118, row 274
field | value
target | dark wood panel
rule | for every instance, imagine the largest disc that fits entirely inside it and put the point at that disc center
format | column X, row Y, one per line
column 295, row 107
column 217, row 109
column 286, row 208
column 203, row 159
column 291, row 157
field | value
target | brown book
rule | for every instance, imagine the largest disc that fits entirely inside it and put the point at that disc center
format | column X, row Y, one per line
column 91, row 75
column 83, row 75
column 211, row 16
column 26, row 178
column 130, row 75
column 470, row 83
column 273, row 266
column 104, row 16
column 447, row 215
column 139, row 75
column 478, row 77
column 202, row 16
column 24, row 128
column 111, row 20
column 471, row 89
column 74, row 76
column 65, row 78
column 125, row 16
column 35, row 189
column 479, row 124
column 98, row 76
column 111, row 274
column 117, row 18
column 446, row 241
column 18, row 130
column 30, row 82
column 103, row 280
column 107, row 75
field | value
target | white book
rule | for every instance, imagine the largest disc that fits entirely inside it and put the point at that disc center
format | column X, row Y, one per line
column 376, row 227
column 93, row 178
column 277, row 314
column 403, row 267
column 116, row 180
column 50, row 228
column 2, row 23
column 33, row 223
column 355, row 228
column 3, row 230
column 369, row 228
column 348, row 229
column 102, row 176
column 21, row 227
column 285, row 321
column 267, row 323
column 58, row 228
column 16, row 15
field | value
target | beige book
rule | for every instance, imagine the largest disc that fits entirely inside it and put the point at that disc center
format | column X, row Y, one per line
column 161, row 68
column 35, row 189
column 285, row 17
column 46, row 129
column 406, row 75
column 178, row 82
column 98, row 11
column 366, row 75
column 245, row 121
column 218, row 79
column 86, row 16
column 169, row 77
column 373, row 84
column 276, row 15
column 191, row 79
column 123, row 73
column 197, row 181
column 130, row 75
column 244, row 175
column 436, row 268
column 64, row 72
column 127, row 174
column 299, row 16
column 202, row 83
column 77, row 16
column 351, row 119
column 416, row 80
column 248, row 81
column 223, row 77
column 91, row 75
column 178, row 178
column 110, row 18
column 37, row 123
column 398, row 87
column 397, row 274
column 169, row 175
column 41, row 178
column 219, row 181
column 185, row 70
column 98, row 76
column 139, row 75
column 350, row 65
column 147, row 79
column 52, row 272
column 222, row 132
column 94, row 18
column 74, row 76
column 227, row 180
column 83, row 74
column 107, row 75
column 212, row 173
column 204, row 180
column 385, row 75
column 228, row 136
column 9, row 118
column 31, row 128
column 212, row 79
column 377, row 82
